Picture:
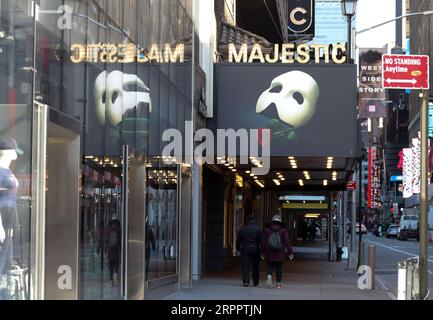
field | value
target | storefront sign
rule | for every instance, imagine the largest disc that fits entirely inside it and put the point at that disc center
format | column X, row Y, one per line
column 288, row 53
column 416, row 165
column 407, row 173
column 126, row 53
column 371, row 93
column 351, row 185
column 396, row 178
column 374, row 180
column 301, row 17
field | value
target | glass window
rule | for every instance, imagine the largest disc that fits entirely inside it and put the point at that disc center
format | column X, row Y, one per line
column 161, row 221
column 16, row 52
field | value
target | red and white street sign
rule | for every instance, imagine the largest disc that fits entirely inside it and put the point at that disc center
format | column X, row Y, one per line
column 351, row 185
column 405, row 71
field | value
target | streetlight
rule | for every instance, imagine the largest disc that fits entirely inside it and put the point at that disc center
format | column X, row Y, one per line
column 348, row 8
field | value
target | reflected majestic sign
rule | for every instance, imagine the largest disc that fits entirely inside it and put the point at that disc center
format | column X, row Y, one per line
column 126, row 53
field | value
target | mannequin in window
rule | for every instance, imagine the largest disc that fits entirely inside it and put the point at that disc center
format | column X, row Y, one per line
column 8, row 190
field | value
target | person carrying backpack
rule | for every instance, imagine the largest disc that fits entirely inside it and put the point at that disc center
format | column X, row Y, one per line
column 275, row 243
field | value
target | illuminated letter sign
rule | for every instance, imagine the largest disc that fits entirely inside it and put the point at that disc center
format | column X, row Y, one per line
column 301, row 17
column 126, row 53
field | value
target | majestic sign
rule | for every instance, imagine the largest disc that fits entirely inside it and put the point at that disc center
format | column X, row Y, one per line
column 288, row 53
column 301, row 17
column 126, row 53
column 371, row 94
column 298, row 103
column 405, row 71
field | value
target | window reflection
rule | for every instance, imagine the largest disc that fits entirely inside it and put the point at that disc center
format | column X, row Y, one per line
column 161, row 226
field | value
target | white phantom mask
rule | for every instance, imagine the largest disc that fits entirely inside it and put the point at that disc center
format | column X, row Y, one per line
column 112, row 99
column 297, row 100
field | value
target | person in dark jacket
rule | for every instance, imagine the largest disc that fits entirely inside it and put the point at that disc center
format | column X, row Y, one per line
column 113, row 240
column 275, row 256
column 150, row 245
column 248, row 242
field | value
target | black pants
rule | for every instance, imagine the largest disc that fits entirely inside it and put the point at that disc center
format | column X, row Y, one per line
column 113, row 266
column 278, row 267
column 253, row 255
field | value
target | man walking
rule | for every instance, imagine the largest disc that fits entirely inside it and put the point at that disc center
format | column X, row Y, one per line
column 248, row 242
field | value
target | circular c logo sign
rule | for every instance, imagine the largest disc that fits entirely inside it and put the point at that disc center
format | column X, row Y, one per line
column 294, row 19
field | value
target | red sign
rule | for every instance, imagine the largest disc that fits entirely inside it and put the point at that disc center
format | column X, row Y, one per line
column 405, row 71
column 351, row 185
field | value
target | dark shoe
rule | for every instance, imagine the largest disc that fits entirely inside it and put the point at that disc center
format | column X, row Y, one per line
column 256, row 285
column 246, row 284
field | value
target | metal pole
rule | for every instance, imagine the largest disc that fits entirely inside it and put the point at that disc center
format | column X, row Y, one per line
column 371, row 264
column 331, row 228
column 361, row 254
column 353, row 246
column 359, row 209
column 423, row 219
column 349, row 39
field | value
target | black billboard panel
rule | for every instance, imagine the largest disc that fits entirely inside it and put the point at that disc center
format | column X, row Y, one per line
column 301, row 18
column 310, row 109
column 128, row 104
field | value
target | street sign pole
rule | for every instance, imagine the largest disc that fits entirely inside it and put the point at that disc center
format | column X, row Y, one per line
column 412, row 72
column 423, row 218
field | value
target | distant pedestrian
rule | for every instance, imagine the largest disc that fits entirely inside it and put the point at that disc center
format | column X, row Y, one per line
column 275, row 243
column 313, row 231
column 113, row 241
column 248, row 243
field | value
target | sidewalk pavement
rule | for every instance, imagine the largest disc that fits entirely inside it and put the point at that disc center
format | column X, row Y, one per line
column 308, row 277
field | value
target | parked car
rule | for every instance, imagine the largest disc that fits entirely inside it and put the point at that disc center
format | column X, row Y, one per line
column 392, row 231
column 409, row 227
column 363, row 228
column 405, row 234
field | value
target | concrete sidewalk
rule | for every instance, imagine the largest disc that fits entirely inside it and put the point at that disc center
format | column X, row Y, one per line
column 309, row 277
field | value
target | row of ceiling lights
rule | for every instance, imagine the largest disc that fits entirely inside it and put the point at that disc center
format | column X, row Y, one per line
column 279, row 178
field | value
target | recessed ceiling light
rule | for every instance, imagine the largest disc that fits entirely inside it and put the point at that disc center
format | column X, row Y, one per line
column 277, row 182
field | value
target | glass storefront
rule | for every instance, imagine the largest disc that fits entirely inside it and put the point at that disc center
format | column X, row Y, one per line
column 127, row 96
column 16, row 47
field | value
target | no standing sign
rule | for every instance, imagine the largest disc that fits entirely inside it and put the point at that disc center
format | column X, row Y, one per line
column 405, row 71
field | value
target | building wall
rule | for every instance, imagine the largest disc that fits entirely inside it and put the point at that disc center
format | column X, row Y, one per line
column 421, row 40
column 331, row 25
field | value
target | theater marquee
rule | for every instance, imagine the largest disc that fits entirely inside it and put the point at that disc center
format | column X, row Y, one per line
column 288, row 53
